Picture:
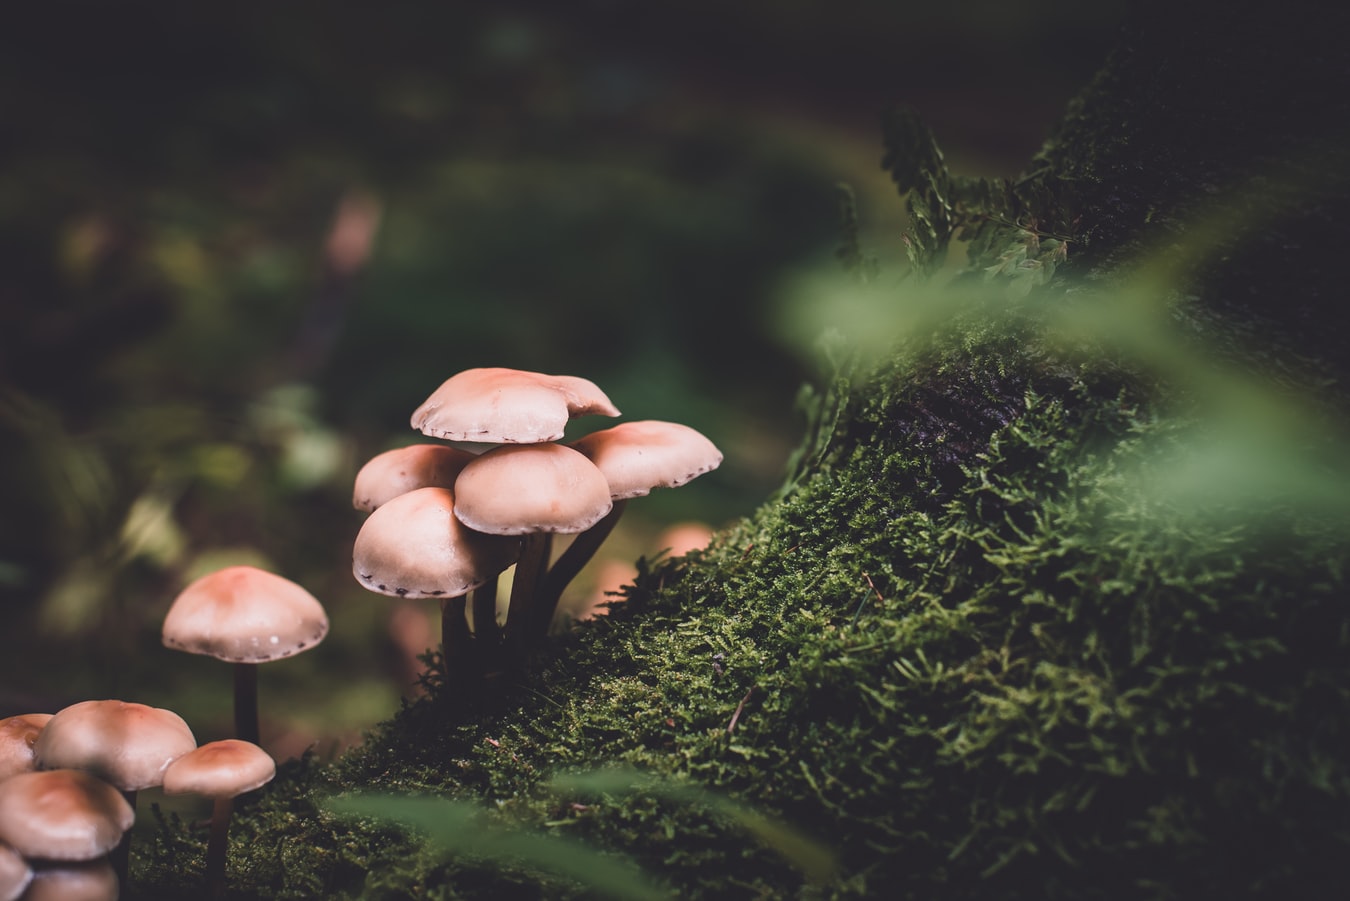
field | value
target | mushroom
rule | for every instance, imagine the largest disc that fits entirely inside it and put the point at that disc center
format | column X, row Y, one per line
column 17, row 734
column 220, row 770
column 394, row 472
column 245, row 616
column 508, row 406
column 62, row 815
column 126, row 744
column 534, row 491
column 15, row 873
column 414, row 546
column 635, row 458
column 85, row 880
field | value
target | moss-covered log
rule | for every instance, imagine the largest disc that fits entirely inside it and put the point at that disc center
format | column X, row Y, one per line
column 1012, row 629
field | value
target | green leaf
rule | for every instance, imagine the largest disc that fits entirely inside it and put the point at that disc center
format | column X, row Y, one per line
column 460, row 829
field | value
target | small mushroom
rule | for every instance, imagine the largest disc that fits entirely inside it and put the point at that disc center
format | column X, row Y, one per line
column 84, row 880
column 220, row 770
column 127, row 745
column 17, row 735
column 385, row 476
column 415, row 547
column 635, row 458
column 62, row 815
column 15, row 873
column 245, row 616
column 508, row 406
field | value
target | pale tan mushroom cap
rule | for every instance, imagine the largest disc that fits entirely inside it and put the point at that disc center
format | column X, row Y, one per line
column 220, row 769
column 62, row 815
column 85, row 880
column 15, row 873
column 127, row 744
column 385, row 476
column 244, row 615
column 519, row 489
column 17, row 735
column 414, row 547
column 639, row 456
column 508, row 406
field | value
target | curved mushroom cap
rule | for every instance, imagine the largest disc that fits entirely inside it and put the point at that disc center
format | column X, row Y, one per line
column 385, row 476
column 244, row 615
column 220, row 769
column 124, row 743
column 414, row 547
column 508, row 406
column 62, row 815
column 85, row 880
column 639, row 456
column 15, row 874
column 519, row 489
column 17, row 735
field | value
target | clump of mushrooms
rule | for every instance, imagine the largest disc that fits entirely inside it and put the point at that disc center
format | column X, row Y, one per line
column 514, row 496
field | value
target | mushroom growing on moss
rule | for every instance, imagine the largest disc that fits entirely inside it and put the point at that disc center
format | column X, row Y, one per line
column 62, row 815
column 245, row 616
column 414, row 546
column 17, row 736
column 222, row 771
column 385, row 476
column 635, row 458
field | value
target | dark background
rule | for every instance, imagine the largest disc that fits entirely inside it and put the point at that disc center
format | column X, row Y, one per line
column 191, row 371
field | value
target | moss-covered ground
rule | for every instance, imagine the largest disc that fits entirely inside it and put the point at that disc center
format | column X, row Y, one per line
column 1030, row 618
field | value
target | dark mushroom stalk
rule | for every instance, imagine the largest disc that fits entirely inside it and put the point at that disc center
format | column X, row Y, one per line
column 566, row 568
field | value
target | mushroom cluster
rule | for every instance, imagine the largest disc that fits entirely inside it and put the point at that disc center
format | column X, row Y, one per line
column 68, row 788
column 446, row 521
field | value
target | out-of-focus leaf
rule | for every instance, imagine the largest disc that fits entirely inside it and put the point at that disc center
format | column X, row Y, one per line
column 460, row 829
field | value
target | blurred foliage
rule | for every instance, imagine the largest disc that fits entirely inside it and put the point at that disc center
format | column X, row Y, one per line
column 199, row 343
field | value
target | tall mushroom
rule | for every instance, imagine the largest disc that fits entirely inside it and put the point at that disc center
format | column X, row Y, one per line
column 220, row 770
column 245, row 616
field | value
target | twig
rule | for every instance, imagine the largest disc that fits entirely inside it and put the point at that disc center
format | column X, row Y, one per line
column 731, row 726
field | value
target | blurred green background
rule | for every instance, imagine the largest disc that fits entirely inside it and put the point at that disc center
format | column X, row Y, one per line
column 240, row 242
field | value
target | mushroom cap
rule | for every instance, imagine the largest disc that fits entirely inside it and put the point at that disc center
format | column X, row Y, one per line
column 525, row 488
column 414, row 547
column 639, row 456
column 126, row 744
column 62, row 815
column 220, row 769
column 15, row 874
column 244, row 615
column 508, row 406
column 394, row 472
column 85, row 880
column 17, row 735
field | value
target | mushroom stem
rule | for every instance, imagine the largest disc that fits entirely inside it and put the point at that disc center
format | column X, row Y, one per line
column 246, row 702
column 216, row 845
column 535, row 550
column 455, row 637
column 486, row 633
column 120, row 856
column 565, row 569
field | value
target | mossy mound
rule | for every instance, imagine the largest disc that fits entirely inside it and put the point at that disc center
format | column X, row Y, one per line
column 975, row 650
column 1028, row 620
